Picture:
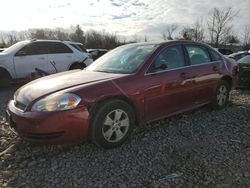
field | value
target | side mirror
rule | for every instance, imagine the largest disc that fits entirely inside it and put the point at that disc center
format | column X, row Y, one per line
column 21, row 53
column 163, row 66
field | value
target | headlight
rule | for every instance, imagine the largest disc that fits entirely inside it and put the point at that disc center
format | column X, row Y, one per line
column 56, row 102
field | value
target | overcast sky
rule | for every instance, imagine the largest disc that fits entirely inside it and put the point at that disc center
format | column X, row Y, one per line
column 120, row 16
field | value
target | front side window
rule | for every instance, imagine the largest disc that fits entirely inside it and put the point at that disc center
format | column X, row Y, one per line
column 36, row 48
column 170, row 58
column 124, row 59
column 197, row 54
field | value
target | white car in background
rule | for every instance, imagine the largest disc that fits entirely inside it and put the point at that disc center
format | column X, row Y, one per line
column 51, row 56
column 2, row 49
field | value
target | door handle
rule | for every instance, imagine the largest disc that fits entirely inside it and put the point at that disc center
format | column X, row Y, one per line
column 215, row 68
column 42, row 58
column 183, row 75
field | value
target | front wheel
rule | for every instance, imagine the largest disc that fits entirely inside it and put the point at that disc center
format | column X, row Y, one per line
column 221, row 95
column 112, row 124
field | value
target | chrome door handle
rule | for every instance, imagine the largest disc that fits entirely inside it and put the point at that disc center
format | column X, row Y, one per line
column 215, row 68
column 183, row 75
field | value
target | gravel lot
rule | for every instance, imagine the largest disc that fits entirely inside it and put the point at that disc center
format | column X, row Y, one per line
column 201, row 148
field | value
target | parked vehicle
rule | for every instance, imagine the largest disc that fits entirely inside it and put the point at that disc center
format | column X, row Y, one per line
column 238, row 55
column 96, row 53
column 243, row 79
column 224, row 51
column 21, row 59
column 130, row 85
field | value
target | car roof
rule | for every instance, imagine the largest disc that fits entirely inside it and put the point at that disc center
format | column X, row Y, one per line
column 72, row 42
column 97, row 49
column 169, row 42
column 44, row 40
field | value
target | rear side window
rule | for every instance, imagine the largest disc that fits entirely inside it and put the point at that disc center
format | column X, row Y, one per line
column 215, row 56
column 36, row 48
column 94, row 53
column 59, row 48
column 197, row 54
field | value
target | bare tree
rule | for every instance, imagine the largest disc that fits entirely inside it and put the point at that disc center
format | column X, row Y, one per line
column 61, row 34
column 246, row 35
column 96, row 39
column 199, row 30
column 78, row 35
column 170, row 30
column 195, row 32
column 164, row 36
column 2, row 43
column 219, row 24
column 11, row 39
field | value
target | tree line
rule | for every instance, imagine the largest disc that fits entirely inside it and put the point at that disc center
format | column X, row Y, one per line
column 216, row 30
column 91, row 38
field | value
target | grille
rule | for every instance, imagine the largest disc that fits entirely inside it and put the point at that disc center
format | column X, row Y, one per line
column 42, row 136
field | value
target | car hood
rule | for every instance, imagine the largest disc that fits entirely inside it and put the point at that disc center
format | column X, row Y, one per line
column 53, row 83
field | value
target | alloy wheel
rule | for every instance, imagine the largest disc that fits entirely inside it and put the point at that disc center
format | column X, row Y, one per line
column 115, row 126
column 222, row 95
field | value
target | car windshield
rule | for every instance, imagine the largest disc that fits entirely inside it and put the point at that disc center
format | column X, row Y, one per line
column 124, row 59
column 17, row 46
column 245, row 60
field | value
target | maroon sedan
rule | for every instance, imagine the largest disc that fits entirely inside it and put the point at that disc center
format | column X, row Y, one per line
column 132, row 84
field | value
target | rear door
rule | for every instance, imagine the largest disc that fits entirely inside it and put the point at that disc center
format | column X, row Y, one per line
column 33, row 55
column 60, row 57
column 167, row 89
column 204, row 66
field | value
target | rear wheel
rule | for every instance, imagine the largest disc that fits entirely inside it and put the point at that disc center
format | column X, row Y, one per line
column 221, row 96
column 112, row 124
column 77, row 66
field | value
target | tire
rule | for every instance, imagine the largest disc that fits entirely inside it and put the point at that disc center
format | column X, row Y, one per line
column 77, row 66
column 221, row 96
column 5, row 81
column 112, row 124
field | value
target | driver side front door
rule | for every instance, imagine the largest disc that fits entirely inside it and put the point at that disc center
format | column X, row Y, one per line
column 167, row 90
